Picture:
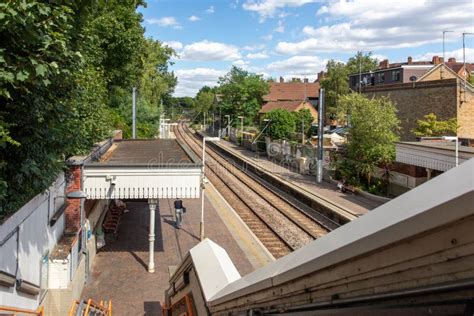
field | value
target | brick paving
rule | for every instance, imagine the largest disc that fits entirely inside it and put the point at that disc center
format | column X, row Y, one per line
column 119, row 270
column 356, row 204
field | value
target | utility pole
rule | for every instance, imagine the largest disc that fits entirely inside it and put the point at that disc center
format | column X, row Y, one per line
column 134, row 114
column 360, row 71
column 464, row 60
column 302, row 130
column 320, row 136
column 444, row 54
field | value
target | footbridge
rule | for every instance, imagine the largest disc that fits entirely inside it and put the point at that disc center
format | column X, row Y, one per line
column 411, row 255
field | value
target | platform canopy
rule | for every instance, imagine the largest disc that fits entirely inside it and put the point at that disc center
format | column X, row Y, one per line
column 143, row 169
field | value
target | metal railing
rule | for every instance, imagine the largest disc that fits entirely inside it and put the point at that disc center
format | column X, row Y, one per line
column 21, row 311
column 89, row 307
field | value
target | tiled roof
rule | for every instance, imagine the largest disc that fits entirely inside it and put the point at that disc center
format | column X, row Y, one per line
column 280, row 91
column 287, row 105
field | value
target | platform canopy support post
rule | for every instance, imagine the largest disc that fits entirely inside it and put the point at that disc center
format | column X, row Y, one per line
column 152, row 204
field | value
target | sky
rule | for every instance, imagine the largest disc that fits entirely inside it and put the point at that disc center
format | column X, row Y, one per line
column 296, row 38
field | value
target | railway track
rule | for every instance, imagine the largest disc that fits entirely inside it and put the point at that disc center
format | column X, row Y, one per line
column 279, row 225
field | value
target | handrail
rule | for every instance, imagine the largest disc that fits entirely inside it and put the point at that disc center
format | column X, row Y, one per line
column 104, row 309
column 39, row 311
column 187, row 302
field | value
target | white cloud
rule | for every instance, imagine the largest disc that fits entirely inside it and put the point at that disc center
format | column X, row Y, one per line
column 373, row 24
column 241, row 63
column 298, row 66
column 268, row 37
column 280, row 28
column 167, row 21
column 454, row 53
column 211, row 9
column 252, row 48
column 191, row 80
column 193, row 18
column 268, row 8
column 260, row 55
column 174, row 45
column 206, row 50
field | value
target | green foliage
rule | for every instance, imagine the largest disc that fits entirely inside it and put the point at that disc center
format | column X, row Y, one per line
column 282, row 125
column 303, row 118
column 431, row 126
column 66, row 74
column 372, row 134
column 242, row 93
column 204, row 101
column 336, row 82
column 361, row 62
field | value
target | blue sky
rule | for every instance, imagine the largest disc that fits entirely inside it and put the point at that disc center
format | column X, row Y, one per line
column 295, row 38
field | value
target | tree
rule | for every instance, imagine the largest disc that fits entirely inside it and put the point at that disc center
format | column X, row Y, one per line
column 242, row 93
column 204, row 101
column 66, row 74
column 372, row 134
column 361, row 62
column 303, row 118
column 431, row 126
column 282, row 124
column 335, row 83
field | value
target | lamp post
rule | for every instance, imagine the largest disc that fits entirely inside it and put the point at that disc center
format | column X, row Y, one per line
column 210, row 139
column 134, row 112
column 444, row 57
column 241, row 129
column 228, row 124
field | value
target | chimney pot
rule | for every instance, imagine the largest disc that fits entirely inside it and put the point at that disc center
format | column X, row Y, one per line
column 383, row 64
column 282, row 80
column 436, row 60
column 452, row 60
column 306, row 80
column 410, row 60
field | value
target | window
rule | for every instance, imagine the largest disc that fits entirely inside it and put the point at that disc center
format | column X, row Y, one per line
column 353, row 81
column 381, row 77
column 396, row 75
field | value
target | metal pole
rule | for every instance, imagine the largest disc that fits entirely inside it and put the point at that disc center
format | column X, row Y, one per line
column 360, row 71
column 241, row 130
column 444, row 55
column 457, row 149
column 213, row 122
column 134, row 116
column 302, row 131
column 151, row 236
column 320, row 136
column 201, row 226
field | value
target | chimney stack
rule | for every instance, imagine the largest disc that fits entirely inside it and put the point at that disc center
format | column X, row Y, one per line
column 410, row 60
column 282, row 80
column 451, row 60
column 436, row 60
column 321, row 75
column 383, row 64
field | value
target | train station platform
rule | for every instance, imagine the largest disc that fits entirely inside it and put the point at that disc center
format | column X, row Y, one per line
column 119, row 271
column 354, row 204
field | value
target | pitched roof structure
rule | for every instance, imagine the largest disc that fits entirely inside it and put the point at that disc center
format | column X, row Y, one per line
column 285, row 91
column 290, row 105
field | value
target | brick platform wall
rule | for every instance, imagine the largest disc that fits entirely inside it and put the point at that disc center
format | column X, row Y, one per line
column 414, row 101
column 466, row 113
column 72, row 212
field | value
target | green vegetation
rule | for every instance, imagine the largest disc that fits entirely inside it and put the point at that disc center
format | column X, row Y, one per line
column 336, row 81
column 372, row 134
column 431, row 126
column 66, row 74
column 285, row 124
column 242, row 94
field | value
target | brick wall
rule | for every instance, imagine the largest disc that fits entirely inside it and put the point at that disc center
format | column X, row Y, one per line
column 466, row 113
column 72, row 212
column 414, row 100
